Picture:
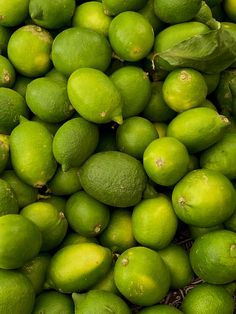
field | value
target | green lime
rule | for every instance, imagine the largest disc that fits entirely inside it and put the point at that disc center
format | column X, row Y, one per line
column 199, row 231
column 230, row 9
column 8, row 199
column 29, row 49
column 113, row 178
column 141, row 276
column 77, row 267
column 99, row 105
column 213, row 256
column 14, row 12
column 230, row 223
column 131, row 36
column 68, row 54
column 4, row 151
column 166, row 160
column 57, row 76
column 112, row 7
column 212, row 80
column 58, row 202
column 107, row 283
column 5, row 34
column 86, row 215
column 160, row 309
column 21, row 83
column 7, row 72
column 52, row 127
column 75, row 238
column 74, row 142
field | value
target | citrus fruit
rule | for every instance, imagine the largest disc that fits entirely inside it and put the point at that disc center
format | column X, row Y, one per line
column 177, row 260
column 16, row 293
column 230, row 223
column 4, row 151
column 166, row 160
column 91, row 15
column 230, row 9
column 148, row 12
column 112, row 7
column 131, row 36
column 57, row 76
column 53, row 302
column 113, row 178
column 75, row 238
column 52, row 127
column 48, row 100
column 212, row 80
column 161, row 128
column 77, row 267
column 106, row 302
column 24, row 193
column 8, row 199
column 203, row 198
column 58, row 202
column 177, row 11
column 5, row 34
column 7, row 72
column 213, row 258
column 49, row 220
column 65, row 182
column 13, row 13
column 99, row 105
column 184, row 88
column 74, row 142
column 160, row 309
column 31, row 153
column 193, row 163
column 199, row 231
column 86, row 215
column 68, row 54
column 118, row 235
column 12, row 105
column 20, row 241
column 154, row 222
column 198, row 128
column 210, row 299
column 130, row 132
column 21, row 83
column 29, row 49
column 141, row 276
column 107, row 283
column 51, row 14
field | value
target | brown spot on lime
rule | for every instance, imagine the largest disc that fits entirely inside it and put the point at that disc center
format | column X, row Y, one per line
column 160, row 163
column 103, row 114
column 233, row 250
column 125, row 261
column 97, row 228
column 182, row 201
column 185, row 76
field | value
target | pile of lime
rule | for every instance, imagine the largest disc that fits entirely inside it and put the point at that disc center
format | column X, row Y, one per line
column 117, row 156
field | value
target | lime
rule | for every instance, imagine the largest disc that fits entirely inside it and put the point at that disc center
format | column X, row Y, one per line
column 193, row 163
column 213, row 258
column 204, row 198
column 13, row 13
column 16, row 293
column 58, row 202
column 31, row 153
column 154, row 222
column 160, row 309
column 166, row 160
column 51, row 14
column 4, row 151
column 141, row 276
column 207, row 298
column 107, row 283
column 21, row 83
column 57, row 76
column 74, row 142
column 199, row 231
column 118, row 235
column 75, row 238
column 113, row 178
column 77, row 267
column 29, row 49
column 106, row 302
column 5, row 34
column 212, row 80
column 20, row 241
column 230, row 9
column 68, row 54
column 131, row 36
column 49, row 220
column 53, row 302
column 7, row 72
column 148, row 12
column 184, row 88
column 52, row 127
column 161, row 128
column 8, row 199
column 101, row 104
column 12, row 105
column 86, row 215
column 112, row 7
column 48, row 100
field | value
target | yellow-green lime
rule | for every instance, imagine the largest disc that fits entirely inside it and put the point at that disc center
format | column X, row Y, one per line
column 52, row 14
column 166, row 160
column 55, row 75
column 48, row 100
column 199, row 231
column 131, row 36
column 36, row 270
column 154, row 222
column 213, row 256
column 75, row 238
column 21, row 83
column 113, row 178
column 207, row 298
column 20, row 241
column 74, row 142
column 106, row 302
column 16, row 293
column 8, row 199
column 118, row 235
column 184, row 88
column 204, row 198
column 112, row 7
column 51, row 223
column 14, row 12
column 135, row 88
column 86, row 215
column 7, row 72
column 99, row 105
column 12, row 105
column 4, row 151
column 141, row 276
column 24, row 193
column 68, row 54
column 134, row 135
column 198, row 128
column 160, row 309
column 209, row 104
column 91, row 15
column 230, row 9
column 31, row 153
column 107, row 283
column 77, row 267
column 5, row 34
column 29, row 50
column 53, row 302
column 59, row 202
